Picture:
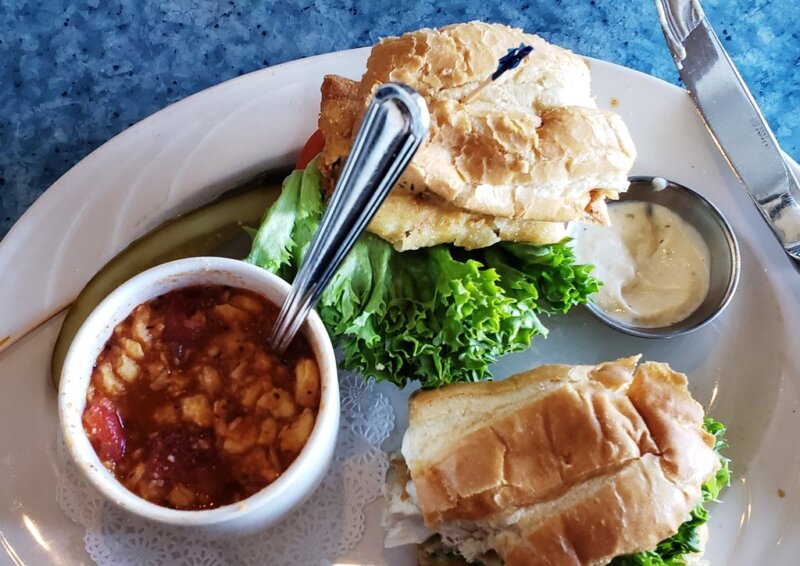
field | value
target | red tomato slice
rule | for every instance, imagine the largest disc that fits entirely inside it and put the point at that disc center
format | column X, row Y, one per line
column 313, row 146
column 104, row 428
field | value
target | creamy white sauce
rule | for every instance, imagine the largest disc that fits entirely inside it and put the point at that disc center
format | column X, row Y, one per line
column 654, row 265
column 659, row 183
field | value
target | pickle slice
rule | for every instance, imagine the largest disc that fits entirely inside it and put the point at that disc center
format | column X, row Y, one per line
column 215, row 229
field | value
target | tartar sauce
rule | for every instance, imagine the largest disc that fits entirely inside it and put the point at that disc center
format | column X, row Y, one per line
column 654, row 265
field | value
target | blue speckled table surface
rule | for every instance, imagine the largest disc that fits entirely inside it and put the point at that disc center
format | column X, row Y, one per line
column 75, row 73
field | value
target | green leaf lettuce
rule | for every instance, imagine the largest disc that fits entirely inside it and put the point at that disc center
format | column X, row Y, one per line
column 435, row 315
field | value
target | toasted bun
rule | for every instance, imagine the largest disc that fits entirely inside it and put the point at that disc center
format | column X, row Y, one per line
column 409, row 218
column 562, row 464
column 530, row 146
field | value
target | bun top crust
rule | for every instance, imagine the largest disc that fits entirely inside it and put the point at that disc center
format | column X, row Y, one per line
column 532, row 145
column 448, row 63
column 570, row 464
column 412, row 219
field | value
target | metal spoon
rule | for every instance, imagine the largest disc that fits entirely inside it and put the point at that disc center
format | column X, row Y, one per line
column 394, row 126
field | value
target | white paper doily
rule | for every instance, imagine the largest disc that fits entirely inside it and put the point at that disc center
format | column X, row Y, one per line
column 328, row 524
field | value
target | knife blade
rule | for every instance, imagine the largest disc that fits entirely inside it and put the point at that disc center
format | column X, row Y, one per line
column 733, row 118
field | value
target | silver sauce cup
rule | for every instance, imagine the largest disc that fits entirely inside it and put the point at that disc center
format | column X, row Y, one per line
column 718, row 235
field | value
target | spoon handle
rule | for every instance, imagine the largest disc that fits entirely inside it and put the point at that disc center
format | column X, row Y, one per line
column 394, row 126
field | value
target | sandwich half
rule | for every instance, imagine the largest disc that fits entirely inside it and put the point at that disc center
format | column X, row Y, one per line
column 527, row 154
column 573, row 465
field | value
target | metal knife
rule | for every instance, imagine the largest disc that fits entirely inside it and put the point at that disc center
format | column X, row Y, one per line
column 733, row 118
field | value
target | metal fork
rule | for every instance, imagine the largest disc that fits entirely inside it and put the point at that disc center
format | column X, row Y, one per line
column 394, row 126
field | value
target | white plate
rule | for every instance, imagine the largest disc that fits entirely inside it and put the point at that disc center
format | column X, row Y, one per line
column 745, row 367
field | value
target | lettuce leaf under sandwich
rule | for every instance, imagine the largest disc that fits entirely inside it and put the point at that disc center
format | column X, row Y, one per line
column 435, row 315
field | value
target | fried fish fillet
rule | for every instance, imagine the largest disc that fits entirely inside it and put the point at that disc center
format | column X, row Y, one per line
column 412, row 220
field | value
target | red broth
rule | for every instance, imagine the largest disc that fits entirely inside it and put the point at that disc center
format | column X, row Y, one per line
column 187, row 406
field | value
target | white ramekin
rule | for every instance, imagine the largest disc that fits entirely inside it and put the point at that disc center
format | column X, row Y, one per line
column 257, row 511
